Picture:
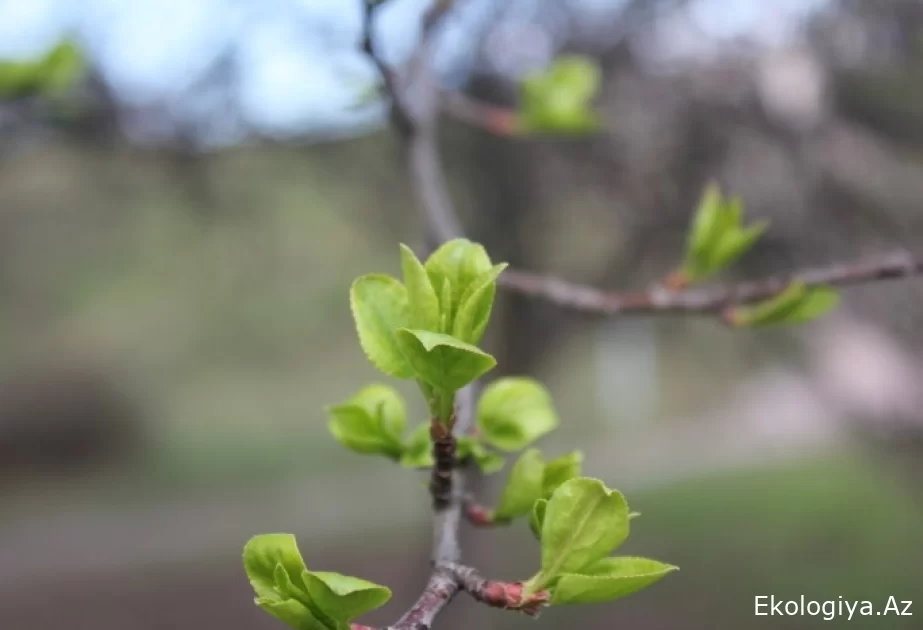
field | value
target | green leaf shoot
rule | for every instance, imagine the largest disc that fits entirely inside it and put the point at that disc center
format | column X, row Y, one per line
column 514, row 412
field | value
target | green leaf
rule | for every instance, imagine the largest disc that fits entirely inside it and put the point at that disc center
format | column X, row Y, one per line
column 561, row 469
column 514, row 412
column 537, row 517
column 736, row 244
column 797, row 304
column 475, row 306
column 608, row 579
column 584, row 522
column 418, row 451
column 385, row 404
column 523, row 487
column 291, row 612
column 261, row 555
column 343, row 598
column 717, row 238
column 421, row 296
column 487, row 461
column 274, row 567
column 372, row 421
column 558, row 99
column 379, row 306
column 452, row 268
column 443, row 361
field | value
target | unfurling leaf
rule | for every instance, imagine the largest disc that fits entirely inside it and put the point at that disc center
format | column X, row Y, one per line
column 584, row 522
column 475, row 305
column 418, row 450
column 304, row 599
column 557, row 100
column 423, row 303
column 372, row 421
column 452, row 269
column 274, row 567
column 379, row 305
column 561, row 469
column 487, row 461
column 514, row 412
column 442, row 361
column 797, row 304
column 343, row 598
column 537, row 517
column 608, row 579
column 523, row 487
column 717, row 237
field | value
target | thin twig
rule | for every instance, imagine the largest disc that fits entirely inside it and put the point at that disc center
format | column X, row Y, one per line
column 415, row 102
column 705, row 299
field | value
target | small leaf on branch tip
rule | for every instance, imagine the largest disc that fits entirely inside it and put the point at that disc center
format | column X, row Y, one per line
column 418, row 451
column 514, row 412
column 263, row 553
column 523, row 486
column 608, row 579
column 487, row 461
column 797, row 304
column 560, row 470
column 371, row 422
column 274, row 567
column 557, row 100
column 537, row 517
column 379, row 306
column 584, row 522
column 443, row 361
column 475, row 306
column 716, row 237
column 423, row 303
column 385, row 404
column 452, row 268
column 706, row 226
column 343, row 598
column 736, row 244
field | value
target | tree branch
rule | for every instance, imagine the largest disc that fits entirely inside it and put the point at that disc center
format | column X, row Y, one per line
column 415, row 104
column 706, row 299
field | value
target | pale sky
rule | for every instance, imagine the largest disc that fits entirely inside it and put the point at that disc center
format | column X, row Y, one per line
column 300, row 64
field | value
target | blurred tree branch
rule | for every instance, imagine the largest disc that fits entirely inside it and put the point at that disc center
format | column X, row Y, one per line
column 416, row 102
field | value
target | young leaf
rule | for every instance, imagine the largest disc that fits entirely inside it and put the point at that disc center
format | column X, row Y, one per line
column 513, row 412
column 354, row 428
column 487, row 461
column 608, row 579
column 717, row 238
column 475, row 306
column 418, row 451
column 274, row 567
column 796, row 304
column 561, row 469
column 452, row 268
column 584, row 522
column 523, row 487
column 343, row 598
column 706, row 230
column 736, row 244
column 386, row 405
column 379, row 306
column 537, row 517
column 558, row 99
column 372, row 421
column 261, row 555
column 816, row 303
column 443, row 361
column 421, row 296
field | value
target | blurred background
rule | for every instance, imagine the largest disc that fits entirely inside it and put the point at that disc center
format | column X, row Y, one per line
column 187, row 188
